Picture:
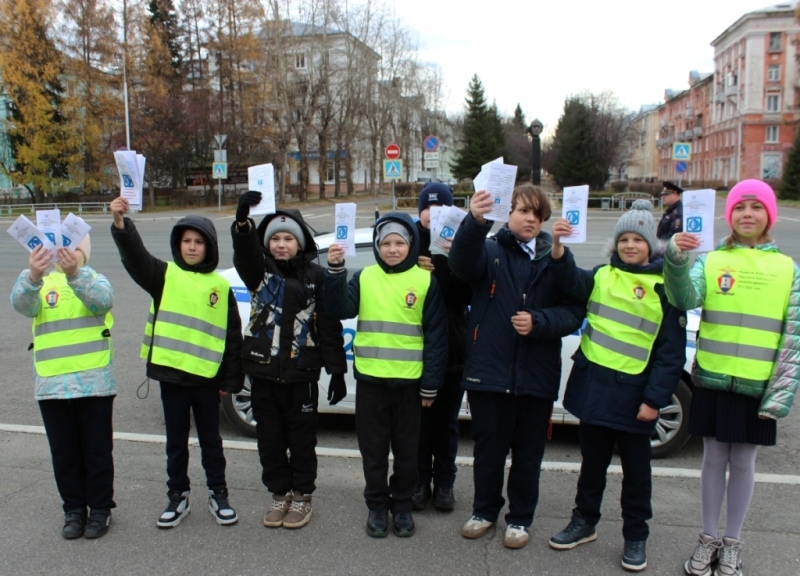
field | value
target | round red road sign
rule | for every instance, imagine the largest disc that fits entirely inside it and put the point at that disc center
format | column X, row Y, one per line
column 392, row 151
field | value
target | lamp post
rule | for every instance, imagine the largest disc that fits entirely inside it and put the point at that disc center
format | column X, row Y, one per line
column 535, row 130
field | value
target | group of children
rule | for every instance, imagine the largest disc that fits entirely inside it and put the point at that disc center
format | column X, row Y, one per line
column 417, row 348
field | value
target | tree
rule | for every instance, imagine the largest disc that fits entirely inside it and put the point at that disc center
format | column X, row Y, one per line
column 517, row 144
column 790, row 184
column 31, row 69
column 482, row 133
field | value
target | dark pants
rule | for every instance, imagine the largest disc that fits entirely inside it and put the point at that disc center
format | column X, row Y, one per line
column 81, row 443
column 597, row 448
column 286, row 419
column 500, row 423
column 438, row 436
column 203, row 401
column 388, row 418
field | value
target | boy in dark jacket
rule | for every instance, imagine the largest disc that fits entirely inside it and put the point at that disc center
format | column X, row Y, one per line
column 193, row 342
column 513, row 367
column 400, row 355
column 630, row 360
column 288, row 339
column 438, row 438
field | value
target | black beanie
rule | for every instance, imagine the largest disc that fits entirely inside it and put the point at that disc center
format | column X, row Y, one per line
column 435, row 193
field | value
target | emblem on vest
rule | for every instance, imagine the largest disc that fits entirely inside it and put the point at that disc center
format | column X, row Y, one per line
column 639, row 291
column 411, row 299
column 213, row 298
column 725, row 281
column 51, row 298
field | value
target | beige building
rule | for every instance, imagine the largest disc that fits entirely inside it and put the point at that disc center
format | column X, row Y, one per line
column 643, row 159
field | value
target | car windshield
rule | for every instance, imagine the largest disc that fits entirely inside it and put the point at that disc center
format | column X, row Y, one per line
column 364, row 257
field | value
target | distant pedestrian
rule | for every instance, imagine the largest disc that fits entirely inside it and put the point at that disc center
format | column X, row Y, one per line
column 74, row 379
column 672, row 220
column 747, row 366
column 193, row 344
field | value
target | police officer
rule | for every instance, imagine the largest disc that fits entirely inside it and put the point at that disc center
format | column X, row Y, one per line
column 672, row 220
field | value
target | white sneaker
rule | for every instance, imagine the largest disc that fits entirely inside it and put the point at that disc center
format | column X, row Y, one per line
column 730, row 558
column 705, row 554
column 176, row 510
column 516, row 536
column 476, row 527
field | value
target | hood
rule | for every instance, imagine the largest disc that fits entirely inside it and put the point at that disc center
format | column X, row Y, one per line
column 310, row 252
column 413, row 251
column 205, row 227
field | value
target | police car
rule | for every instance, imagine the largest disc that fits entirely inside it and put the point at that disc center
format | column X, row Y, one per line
column 671, row 431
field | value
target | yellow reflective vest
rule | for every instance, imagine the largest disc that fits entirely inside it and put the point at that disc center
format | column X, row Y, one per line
column 389, row 337
column 623, row 318
column 747, row 292
column 67, row 336
column 191, row 324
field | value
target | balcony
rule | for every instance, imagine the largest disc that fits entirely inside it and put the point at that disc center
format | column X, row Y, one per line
column 719, row 97
column 697, row 131
column 731, row 91
column 689, row 112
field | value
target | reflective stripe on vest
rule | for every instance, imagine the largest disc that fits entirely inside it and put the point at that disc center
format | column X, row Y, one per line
column 747, row 292
column 389, row 338
column 67, row 336
column 191, row 325
column 623, row 318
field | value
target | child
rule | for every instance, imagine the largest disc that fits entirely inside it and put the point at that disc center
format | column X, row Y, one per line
column 74, row 379
column 513, row 367
column 746, row 368
column 287, row 341
column 400, row 354
column 630, row 360
column 193, row 342
column 438, row 439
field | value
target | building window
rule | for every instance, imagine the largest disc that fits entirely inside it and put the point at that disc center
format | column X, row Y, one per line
column 772, row 134
column 716, row 168
column 773, row 102
column 300, row 61
column 330, row 172
column 774, row 73
column 770, row 166
column 774, row 41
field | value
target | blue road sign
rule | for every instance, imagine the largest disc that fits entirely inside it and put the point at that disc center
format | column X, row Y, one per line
column 392, row 169
column 220, row 170
column 682, row 151
column 681, row 167
column 431, row 143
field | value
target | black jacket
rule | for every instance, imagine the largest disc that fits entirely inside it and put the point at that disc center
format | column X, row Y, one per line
column 149, row 273
column 290, row 336
column 671, row 222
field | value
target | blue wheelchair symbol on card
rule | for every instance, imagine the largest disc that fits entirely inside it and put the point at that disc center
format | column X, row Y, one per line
column 694, row 224
column 447, row 233
column 51, row 237
column 34, row 242
column 341, row 232
column 497, row 200
column 65, row 241
column 573, row 217
column 127, row 181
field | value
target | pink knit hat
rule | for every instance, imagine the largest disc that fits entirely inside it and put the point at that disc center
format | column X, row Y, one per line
column 752, row 190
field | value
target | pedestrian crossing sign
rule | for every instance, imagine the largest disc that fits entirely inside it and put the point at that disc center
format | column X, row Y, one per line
column 682, row 151
column 220, row 170
column 392, row 169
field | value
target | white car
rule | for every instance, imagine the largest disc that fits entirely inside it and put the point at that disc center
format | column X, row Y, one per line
column 671, row 431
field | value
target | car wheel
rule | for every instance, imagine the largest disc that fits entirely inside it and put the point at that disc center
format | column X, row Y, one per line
column 672, row 428
column 239, row 410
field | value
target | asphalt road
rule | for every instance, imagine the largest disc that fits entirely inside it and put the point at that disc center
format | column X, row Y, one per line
column 334, row 542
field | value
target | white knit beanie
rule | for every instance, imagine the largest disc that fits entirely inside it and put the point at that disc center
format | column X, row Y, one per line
column 283, row 223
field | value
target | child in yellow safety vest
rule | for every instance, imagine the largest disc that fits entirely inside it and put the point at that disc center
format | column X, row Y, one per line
column 747, row 365
column 74, row 379
column 627, row 367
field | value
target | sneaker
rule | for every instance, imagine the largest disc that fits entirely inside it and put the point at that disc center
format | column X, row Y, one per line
column 634, row 555
column 422, row 493
column 277, row 510
column 176, row 510
column 476, row 527
column 74, row 523
column 443, row 498
column 705, row 554
column 220, row 508
column 403, row 524
column 730, row 558
column 299, row 513
column 98, row 523
column 516, row 536
column 378, row 523
column 578, row 531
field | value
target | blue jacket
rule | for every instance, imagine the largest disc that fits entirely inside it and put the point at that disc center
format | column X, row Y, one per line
column 604, row 397
column 504, row 281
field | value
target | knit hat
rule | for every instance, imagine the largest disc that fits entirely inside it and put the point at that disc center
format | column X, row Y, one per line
column 391, row 227
column 283, row 223
column 435, row 193
column 639, row 220
column 752, row 190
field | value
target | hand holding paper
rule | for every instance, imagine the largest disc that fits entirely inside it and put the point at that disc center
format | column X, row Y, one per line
column 38, row 262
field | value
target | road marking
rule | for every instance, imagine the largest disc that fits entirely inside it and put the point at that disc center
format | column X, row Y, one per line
column 251, row 446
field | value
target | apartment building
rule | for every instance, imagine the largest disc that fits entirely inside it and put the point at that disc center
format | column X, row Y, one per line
column 642, row 162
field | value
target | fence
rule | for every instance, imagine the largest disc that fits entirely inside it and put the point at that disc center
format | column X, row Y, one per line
column 78, row 208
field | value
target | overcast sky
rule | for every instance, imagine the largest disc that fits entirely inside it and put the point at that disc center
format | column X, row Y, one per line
column 538, row 52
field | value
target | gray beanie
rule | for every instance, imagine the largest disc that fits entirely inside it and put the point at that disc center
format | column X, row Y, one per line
column 283, row 223
column 391, row 227
column 639, row 220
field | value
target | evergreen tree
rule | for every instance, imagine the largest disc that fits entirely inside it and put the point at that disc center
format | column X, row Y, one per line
column 164, row 19
column 575, row 146
column 482, row 134
column 517, row 148
column 790, row 184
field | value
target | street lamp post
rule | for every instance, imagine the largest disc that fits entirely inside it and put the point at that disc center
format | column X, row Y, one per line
column 536, row 152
